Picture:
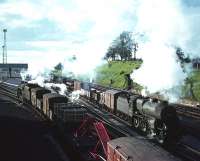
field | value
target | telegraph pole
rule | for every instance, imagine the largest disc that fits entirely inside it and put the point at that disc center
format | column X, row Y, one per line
column 3, row 54
column 4, row 47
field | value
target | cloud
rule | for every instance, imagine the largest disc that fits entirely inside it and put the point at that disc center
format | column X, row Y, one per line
column 58, row 28
column 66, row 25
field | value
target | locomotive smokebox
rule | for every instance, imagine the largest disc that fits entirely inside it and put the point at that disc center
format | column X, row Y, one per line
column 150, row 108
column 169, row 115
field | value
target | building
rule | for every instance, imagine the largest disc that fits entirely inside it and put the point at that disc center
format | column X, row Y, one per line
column 196, row 63
column 12, row 70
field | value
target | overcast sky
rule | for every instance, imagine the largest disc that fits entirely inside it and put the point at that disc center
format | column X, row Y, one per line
column 49, row 30
column 60, row 27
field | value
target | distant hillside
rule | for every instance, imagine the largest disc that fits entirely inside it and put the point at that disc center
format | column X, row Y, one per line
column 115, row 71
column 191, row 90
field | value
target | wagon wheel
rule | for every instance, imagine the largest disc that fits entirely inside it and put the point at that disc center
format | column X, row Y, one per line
column 125, row 117
column 143, row 125
column 136, row 122
column 161, row 131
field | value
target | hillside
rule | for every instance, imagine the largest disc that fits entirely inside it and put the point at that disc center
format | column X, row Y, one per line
column 115, row 71
column 191, row 90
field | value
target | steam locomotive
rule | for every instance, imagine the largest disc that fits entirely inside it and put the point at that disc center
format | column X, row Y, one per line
column 153, row 117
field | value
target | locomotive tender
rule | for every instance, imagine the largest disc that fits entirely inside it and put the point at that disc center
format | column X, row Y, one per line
column 153, row 117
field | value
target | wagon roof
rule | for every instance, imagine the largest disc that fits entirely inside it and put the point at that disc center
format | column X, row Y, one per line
column 32, row 85
column 36, row 89
column 53, row 95
column 112, row 91
column 139, row 149
column 39, row 89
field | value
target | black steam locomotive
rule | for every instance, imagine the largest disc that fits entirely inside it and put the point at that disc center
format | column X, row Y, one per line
column 155, row 118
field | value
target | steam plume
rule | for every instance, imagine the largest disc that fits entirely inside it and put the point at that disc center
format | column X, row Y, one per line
column 166, row 24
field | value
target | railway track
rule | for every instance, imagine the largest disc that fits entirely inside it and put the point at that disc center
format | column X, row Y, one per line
column 7, row 92
column 117, row 126
column 188, row 153
column 184, row 151
column 188, row 111
column 11, row 92
column 182, row 109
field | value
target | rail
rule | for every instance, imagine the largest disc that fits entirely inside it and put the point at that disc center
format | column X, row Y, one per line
column 11, row 92
column 184, row 151
column 108, row 119
column 182, row 109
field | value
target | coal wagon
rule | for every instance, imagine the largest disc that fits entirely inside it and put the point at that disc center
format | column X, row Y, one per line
column 37, row 94
column 49, row 100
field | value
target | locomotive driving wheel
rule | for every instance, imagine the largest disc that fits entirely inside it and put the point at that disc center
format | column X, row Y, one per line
column 136, row 122
column 161, row 131
column 143, row 125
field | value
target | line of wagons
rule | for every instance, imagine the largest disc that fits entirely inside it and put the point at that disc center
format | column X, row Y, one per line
column 150, row 116
column 56, row 107
column 51, row 104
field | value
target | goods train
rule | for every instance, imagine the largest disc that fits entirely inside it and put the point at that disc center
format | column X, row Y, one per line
column 151, row 116
column 49, row 103
column 57, row 108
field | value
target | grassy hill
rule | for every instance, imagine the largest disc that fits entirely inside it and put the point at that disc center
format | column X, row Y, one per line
column 192, row 92
column 116, row 71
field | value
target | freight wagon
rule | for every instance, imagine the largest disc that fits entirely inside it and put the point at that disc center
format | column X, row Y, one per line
column 136, row 149
column 49, row 100
column 26, row 91
column 37, row 94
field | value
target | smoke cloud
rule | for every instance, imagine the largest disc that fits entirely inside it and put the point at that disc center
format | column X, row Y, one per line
column 88, row 29
column 166, row 24
column 90, row 26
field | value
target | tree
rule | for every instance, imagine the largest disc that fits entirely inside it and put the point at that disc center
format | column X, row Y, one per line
column 111, row 53
column 182, row 58
column 58, row 67
column 122, row 46
column 56, row 73
column 135, row 49
column 125, row 45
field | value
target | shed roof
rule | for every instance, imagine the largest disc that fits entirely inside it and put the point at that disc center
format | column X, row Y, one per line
column 139, row 149
column 12, row 65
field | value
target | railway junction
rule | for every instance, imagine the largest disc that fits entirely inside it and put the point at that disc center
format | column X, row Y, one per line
column 29, row 134
column 100, row 80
